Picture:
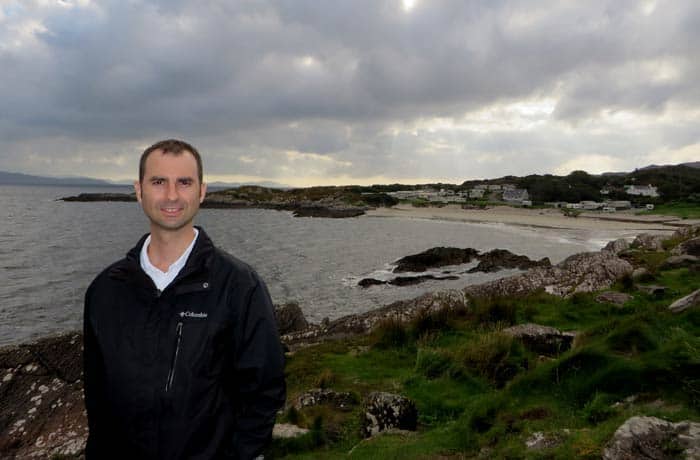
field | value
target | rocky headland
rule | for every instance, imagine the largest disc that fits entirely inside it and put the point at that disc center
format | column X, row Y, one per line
column 41, row 403
column 330, row 202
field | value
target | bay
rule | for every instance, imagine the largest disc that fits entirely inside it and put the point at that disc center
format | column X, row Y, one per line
column 50, row 251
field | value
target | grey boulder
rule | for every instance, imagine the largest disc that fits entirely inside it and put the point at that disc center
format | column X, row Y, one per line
column 649, row 241
column 684, row 303
column 652, row 438
column 387, row 411
column 542, row 339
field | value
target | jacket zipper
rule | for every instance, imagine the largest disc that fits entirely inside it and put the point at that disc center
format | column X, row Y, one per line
column 171, row 374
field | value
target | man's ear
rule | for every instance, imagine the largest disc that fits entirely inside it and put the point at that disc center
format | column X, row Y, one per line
column 202, row 192
column 137, row 189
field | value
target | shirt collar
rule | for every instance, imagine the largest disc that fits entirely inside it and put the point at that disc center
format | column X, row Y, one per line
column 158, row 276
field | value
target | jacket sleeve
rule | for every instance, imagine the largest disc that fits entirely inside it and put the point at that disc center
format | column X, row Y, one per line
column 93, row 378
column 258, row 374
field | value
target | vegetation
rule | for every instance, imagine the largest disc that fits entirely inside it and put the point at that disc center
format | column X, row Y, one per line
column 679, row 187
column 674, row 183
column 684, row 210
column 349, row 195
column 481, row 393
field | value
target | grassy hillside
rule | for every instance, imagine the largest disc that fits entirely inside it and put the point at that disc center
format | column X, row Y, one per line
column 481, row 394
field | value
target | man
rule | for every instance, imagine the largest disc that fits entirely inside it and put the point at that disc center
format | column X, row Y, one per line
column 182, row 356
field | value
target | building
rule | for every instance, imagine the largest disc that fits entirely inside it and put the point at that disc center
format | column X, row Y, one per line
column 517, row 195
column 591, row 205
column 476, row 193
column 619, row 204
column 641, row 190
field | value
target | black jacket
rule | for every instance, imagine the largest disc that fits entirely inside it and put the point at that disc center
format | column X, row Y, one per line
column 193, row 372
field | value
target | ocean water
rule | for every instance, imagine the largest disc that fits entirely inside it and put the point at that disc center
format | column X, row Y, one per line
column 50, row 251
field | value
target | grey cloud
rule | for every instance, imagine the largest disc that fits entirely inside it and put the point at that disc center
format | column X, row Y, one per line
column 261, row 77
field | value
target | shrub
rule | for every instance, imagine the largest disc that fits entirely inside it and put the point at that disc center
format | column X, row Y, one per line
column 588, row 371
column 390, row 333
column 325, row 379
column 432, row 364
column 633, row 338
column 495, row 356
column 495, row 310
column 430, row 321
column 293, row 415
column 598, row 409
column 627, row 283
column 480, row 417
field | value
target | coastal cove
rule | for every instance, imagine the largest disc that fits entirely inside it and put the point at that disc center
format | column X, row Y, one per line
column 50, row 250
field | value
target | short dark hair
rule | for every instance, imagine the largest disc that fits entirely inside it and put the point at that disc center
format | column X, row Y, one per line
column 175, row 147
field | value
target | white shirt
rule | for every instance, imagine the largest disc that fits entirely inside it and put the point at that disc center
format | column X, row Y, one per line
column 162, row 279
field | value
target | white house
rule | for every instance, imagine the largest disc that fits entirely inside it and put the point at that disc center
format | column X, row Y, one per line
column 517, row 195
column 641, row 190
column 619, row 204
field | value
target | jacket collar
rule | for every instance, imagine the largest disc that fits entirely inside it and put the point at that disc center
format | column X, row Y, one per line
column 199, row 259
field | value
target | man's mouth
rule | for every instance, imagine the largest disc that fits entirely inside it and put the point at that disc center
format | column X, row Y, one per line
column 171, row 210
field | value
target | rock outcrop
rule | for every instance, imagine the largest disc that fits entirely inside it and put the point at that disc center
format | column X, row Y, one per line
column 91, row 197
column 540, row 440
column 689, row 247
column 288, row 431
column 404, row 280
column 617, row 298
column 341, row 400
column 435, row 257
column 544, row 340
column 617, row 246
column 290, row 318
column 386, row 411
column 403, row 310
column 334, row 212
column 499, row 259
column 492, row 261
column 649, row 241
column 689, row 231
column 652, row 289
column 679, row 261
column 684, row 303
column 654, row 439
column 42, row 412
column 585, row 272
column 639, row 273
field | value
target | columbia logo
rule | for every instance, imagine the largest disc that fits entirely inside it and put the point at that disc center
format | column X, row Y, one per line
column 192, row 314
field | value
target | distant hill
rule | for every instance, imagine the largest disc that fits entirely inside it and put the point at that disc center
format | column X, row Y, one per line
column 9, row 178
column 694, row 164
column 267, row 184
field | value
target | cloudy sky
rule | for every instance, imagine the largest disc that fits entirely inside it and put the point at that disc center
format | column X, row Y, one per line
column 304, row 92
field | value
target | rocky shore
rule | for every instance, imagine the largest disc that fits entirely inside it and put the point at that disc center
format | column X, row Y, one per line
column 491, row 261
column 41, row 403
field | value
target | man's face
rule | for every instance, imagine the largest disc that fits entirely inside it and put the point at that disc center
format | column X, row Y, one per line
column 170, row 193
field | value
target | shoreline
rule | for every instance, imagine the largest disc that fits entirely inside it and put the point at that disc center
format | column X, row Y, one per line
column 538, row 218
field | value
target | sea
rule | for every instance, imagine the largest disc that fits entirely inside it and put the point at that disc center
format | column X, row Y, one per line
column 50, row 251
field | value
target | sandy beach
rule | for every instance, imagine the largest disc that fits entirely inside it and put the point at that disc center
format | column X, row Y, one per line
column 547, row 218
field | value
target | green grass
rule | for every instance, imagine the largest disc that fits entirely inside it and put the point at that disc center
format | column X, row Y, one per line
column 481, row 394
column 684, row 210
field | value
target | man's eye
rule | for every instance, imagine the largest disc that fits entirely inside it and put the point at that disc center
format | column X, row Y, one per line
column 186, row 182
column 157, row 182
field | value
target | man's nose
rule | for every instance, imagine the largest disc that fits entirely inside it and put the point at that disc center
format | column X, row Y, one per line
column 172, row 191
